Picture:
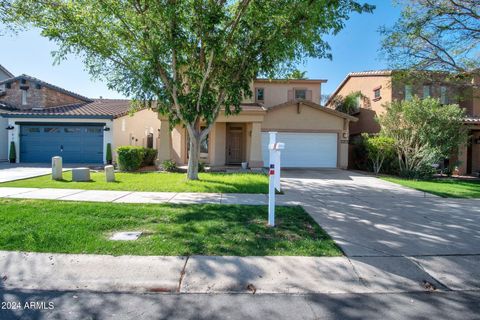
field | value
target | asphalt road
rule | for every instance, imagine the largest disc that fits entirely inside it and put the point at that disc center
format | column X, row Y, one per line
column 88, row 305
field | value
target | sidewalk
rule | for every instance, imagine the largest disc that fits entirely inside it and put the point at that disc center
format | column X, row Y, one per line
column 142, row 197
column 205, row 274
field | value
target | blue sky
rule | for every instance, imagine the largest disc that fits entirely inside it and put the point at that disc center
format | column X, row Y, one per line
column 354, row 49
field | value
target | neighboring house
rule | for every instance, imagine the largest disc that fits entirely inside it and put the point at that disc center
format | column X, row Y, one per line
column 44, row 120
column 314, row 136
column 4, row 74
column 382, row 86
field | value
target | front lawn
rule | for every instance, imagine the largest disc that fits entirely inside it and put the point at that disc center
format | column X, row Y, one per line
column 448, row 188
column 155, row 182
column 71, row 227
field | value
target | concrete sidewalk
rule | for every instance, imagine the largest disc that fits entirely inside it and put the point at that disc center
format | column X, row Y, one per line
column 142, row 197
column 205, row 274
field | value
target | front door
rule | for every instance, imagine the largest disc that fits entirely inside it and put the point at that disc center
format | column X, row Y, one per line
column 234, row 144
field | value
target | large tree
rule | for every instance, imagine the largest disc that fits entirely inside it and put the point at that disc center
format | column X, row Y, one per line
column 193, row 58
column 440, row 35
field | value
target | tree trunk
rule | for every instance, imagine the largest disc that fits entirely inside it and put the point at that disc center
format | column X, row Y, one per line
column 193, row 157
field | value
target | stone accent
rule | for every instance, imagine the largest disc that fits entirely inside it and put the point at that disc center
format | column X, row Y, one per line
column 57, row 169
column 109, row 174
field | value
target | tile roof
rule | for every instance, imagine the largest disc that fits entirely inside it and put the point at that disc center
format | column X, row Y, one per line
column 108, row 108
column 46, row 84
column 471, row 120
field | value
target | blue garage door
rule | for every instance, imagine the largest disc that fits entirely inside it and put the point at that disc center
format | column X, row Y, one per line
column 74, row 143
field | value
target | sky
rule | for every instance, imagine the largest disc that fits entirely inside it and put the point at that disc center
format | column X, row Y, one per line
column 355, row 48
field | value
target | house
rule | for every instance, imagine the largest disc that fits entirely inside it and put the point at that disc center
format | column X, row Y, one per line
column 4, row 74
column 383, row 86
column 315, row 136
column 44, row 120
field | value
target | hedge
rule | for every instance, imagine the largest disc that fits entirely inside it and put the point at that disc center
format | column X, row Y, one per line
column 131, row 158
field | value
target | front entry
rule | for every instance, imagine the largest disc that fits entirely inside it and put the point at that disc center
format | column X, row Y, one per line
column 234, row 143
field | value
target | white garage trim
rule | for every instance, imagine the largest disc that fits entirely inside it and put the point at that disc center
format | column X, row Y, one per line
column 306, row 149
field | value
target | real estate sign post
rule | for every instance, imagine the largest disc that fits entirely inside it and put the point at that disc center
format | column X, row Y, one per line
column 274, row 148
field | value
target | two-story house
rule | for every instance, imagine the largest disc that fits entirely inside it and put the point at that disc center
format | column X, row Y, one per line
column 383, row 86
column 315, row 136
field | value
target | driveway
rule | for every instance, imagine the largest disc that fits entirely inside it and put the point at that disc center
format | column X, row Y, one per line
column 371, row 217
column 10, row 172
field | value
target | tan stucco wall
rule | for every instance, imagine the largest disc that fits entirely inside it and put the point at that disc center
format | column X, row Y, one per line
column 136, row 126
column 277, row 92
column 369, row 106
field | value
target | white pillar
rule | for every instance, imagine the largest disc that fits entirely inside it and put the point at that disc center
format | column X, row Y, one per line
column 271, row 180
column 57, row 169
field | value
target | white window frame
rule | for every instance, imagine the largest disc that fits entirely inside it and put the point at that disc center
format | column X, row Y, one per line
column 24, row 97
column 257, row 90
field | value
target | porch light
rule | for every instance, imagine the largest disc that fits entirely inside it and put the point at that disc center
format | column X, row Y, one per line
column 10, row 128
column 106, row 128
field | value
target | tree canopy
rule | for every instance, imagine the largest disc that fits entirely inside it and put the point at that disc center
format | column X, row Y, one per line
column 193, row 58
column 440, row 35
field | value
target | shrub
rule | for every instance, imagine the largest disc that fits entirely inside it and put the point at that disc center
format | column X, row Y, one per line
column 108, row 155
column 201, row 167
column 378, row 149
column 150, row 156
column 13, row 153
column 169, row 165
column 130, row 158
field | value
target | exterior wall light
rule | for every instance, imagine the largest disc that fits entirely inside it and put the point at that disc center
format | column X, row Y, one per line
column 106, row 128
column 10, row 128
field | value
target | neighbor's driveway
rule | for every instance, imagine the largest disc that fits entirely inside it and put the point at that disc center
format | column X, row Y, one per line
column 10, row 172
column 371, row 217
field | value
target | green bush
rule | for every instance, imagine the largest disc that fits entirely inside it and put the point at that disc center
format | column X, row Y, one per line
column 150, row 156
column 130, row 158
column 201, row 167
column 13, row 153
column 169, row 165
column 378, row 149
column 108, row 156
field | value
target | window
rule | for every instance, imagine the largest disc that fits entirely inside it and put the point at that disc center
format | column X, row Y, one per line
column 51, row 130
column 8, row 85
column 34, row 130
column 94, row 130
column 443, row 95
column 377, row 94
column 300, row 94
column 73, row 130
column 408, row 92
column 259, row 94
column 426, row 91
column 24, row 97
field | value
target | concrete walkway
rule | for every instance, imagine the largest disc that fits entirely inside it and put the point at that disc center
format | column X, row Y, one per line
column 140, row 197
column 204, row 274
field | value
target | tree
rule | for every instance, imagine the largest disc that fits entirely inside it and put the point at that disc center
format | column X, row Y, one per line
column 378, row 149
column 349, row 104
column 424, row 131
column 193, row 58
column 297, row 74
column 440, row 35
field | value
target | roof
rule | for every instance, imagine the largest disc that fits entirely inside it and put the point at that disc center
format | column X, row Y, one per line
column 264, row 80
column 370, row 73
column 46, row 84
column 8, row 73
column 100, row 108
column 319, row 107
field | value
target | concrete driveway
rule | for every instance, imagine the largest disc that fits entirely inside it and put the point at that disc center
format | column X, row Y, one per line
column 11, row 172
column 369, row 216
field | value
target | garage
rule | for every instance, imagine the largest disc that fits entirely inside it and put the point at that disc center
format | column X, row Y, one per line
column 305, row 150
column 75, row 142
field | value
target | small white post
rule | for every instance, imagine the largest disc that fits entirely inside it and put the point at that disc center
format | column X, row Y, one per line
column 57, row 169
column 271, row 180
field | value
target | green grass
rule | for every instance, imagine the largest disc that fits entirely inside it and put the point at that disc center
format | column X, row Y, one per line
column 156, row 182
column 71, row 227
column 448, row 188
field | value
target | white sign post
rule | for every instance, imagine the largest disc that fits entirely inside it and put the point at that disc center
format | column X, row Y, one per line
column 274, row 148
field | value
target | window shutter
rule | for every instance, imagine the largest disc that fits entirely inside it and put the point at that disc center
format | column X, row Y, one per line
column 309, row 95
column 290, row 95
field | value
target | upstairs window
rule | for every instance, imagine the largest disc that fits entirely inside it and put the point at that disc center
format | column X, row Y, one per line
column 377, row 94
column 426, row 91
column 408, row 92
column 300, row 94
column 443, row 95
column 24, row 97
column 259, row 94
